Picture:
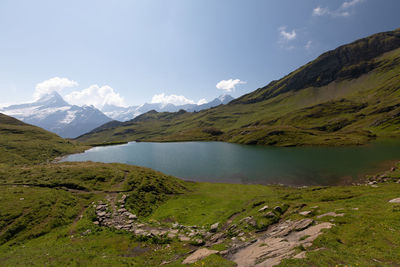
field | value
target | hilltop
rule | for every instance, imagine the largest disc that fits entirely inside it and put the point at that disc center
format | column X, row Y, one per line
column 345, row 96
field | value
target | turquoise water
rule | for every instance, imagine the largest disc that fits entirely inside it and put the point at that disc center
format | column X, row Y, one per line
column 232, row 163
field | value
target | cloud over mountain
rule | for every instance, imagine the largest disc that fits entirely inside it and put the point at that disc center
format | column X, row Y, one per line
column 54, row 84
column 229, row 85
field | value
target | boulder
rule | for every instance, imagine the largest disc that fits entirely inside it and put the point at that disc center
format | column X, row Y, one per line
column 270, row 215
column 305, row 213
column 214, row 227
column 263, row 209
column 278, row 209
column 198, row 255
column 132, row 217
column 395, row 200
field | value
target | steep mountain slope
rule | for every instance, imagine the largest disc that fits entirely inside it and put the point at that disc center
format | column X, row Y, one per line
column 346, row 96
column 52, row 113
column 128, row 113
column 21, row 143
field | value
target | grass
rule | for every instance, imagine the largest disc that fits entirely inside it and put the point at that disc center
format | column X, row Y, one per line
column 22, row 143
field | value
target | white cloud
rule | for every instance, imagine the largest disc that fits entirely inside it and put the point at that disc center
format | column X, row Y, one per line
column 309, row 45
column 53, row 84
column 202, row 101
column 229, row 85
column 286, row 35
column 351, row 3
column 342, row 11
column 320, row 11
column 96, row 96
column 177, row 100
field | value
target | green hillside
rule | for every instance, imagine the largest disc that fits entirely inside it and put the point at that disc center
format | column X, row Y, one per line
column 21, row 143
column 346, row 96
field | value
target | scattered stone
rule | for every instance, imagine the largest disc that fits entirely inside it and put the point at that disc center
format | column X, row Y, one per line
column 214, row 227
column 21, row 198
column 184, row 238
column 223, row 252
column 101, row 214
column 278, row 209
column 258, row 203
column 198, row 255
column 333, row 214
column 96, row 222
column 263, row 209
column 132, row 217
column 395, row 200
column 241, row 234
column 198, row 242
column 305, row 213
column 88, row 231
column 269, row 215
column 301, row 255
column 122, row 210
column 355, row 208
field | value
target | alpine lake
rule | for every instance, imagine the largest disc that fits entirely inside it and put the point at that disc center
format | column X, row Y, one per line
column 232, row 163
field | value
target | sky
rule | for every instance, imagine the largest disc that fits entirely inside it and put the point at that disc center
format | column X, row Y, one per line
column 129, row 52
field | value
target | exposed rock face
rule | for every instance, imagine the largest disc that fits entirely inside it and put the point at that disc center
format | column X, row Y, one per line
column 198, row 255
column 278, row 243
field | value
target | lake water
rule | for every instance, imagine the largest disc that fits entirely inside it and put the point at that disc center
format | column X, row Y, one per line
column 232, row 163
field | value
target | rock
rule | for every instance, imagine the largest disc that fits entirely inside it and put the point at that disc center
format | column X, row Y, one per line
column 184, row 238
column 21, row 198
column 214, row 227
column 269, row 215
column 305, row 213
column 393, row 169
column 395, row 200
column 241, row 234
column 223, row 252
column 303, row 224
column 171, row 235
column 259, row 203
column 333, row 214
column 198, row 242
column 101, row 214
column 96, row 222
column 198, row 255
column 278, row 209
column 301, row 255
column 122, row 210
column 263, row 208
column 132, row 217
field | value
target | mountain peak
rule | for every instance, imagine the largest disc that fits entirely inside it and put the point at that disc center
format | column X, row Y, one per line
column 52, row 99
column 225, row 98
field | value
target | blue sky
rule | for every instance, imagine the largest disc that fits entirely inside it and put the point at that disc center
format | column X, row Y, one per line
column 131, row 52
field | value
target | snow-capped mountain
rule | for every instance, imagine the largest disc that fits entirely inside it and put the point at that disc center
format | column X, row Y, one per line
column 52, row 113
column 128, row 113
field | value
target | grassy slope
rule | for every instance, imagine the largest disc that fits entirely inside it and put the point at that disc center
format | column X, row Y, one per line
column 46, row 209
column 361, row 102
column 22, row 143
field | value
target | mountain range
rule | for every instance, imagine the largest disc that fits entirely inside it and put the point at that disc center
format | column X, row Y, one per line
column 346, row 96
column 54, row 114
column 128, row 113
